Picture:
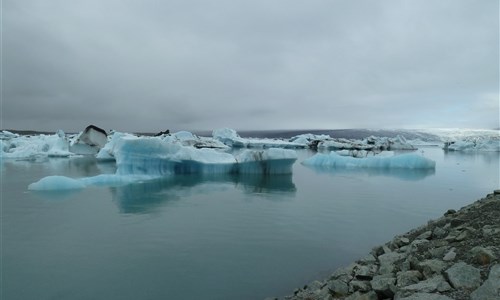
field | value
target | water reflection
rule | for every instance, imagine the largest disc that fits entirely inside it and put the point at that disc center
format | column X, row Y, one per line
column 403, row 174
column 145, row 197
column 485, row 157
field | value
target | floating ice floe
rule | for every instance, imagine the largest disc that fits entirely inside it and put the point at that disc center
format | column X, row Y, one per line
column 154, row 156
column 371, row 143
column 474, row 143
column 231, row 138
column 187, row 138
column 403, row 161
column 14, row 146
column 145, row 158
column 89, row 141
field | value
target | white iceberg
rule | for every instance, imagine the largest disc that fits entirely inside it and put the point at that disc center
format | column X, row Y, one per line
column 371, row 143
column 187, row 138
column 89, row 141
column 474, row 143
column 231, row 138
column 32, row 147
column 403, row 161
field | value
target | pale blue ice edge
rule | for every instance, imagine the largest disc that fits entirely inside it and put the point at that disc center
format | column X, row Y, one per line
column 403, row 161
column 149, row 169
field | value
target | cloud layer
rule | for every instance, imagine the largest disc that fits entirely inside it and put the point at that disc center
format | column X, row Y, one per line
column 152, row 65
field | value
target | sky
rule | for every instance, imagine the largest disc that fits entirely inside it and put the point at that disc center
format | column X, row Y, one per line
column 152, row 65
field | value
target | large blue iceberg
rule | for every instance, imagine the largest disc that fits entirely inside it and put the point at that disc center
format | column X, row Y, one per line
column 403, row 161
column 145, row 158
column 150, row 156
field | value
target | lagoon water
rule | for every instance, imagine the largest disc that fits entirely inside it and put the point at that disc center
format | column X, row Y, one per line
column 215, row 237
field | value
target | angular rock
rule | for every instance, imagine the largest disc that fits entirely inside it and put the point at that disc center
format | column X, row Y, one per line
column 489, row 230
column 384, row 285
column 425, row 236
column 368, row 260
column 363, row 296
column 482, row 256
column 338, row 287
column 490, row 290
column 462, row 275
column 434, row 284
column 344, row 272
column 419, row 245
column 359, row 285
column 425, row 296
column 438, row 252
column 431, row 266
column 450, row 256
column 390, row 258
column 365, row 272
column 439, row 233
column 408, row 278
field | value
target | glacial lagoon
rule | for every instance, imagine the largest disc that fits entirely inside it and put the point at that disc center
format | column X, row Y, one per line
column 214, row 236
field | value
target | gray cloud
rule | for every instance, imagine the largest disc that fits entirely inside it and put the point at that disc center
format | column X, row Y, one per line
column 152, row 65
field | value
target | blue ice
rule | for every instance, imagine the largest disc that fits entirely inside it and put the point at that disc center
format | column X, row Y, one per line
column 403, row 161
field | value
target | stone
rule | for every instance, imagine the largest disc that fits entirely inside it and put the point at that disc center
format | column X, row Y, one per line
column 401, row 241
column 425, row 236
column 425, row 296
column 359, row 285
column 462, row 275
column 419, row 245
column 365, row 272
column 368, row 260
column 457, row 222
column 490, row 290
column 434, row 284
column 450, row 212
column 363, row 296
column 450, row 256
column 408, row 278
column 489, row 230
column 432, row 266
column 344, row 272
column 438, row 252
column 338, row 287
column 482, row 256
column 439, row 233
column 462, row 236
column 390, row 258
column 384, row 286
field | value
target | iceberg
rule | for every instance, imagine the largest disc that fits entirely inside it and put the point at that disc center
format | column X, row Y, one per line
column 403, row 161
column 56, row 183
column 89, row 141
column 474, row 143
column 187, row 138
column 32, row 147
column 231, row 138
column 146, row 158
column 154, row 156
column 371, row 143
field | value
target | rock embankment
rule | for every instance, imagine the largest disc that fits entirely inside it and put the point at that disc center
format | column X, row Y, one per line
column 453, row 257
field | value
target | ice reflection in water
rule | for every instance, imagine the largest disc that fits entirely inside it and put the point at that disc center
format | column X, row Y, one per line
column 146, row 196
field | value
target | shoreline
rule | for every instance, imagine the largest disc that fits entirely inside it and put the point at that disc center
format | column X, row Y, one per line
column 453, row 257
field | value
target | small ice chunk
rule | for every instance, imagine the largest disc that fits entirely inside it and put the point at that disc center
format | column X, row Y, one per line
column 56, row 183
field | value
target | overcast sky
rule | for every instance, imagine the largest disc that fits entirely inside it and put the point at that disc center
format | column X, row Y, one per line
column 148, row 65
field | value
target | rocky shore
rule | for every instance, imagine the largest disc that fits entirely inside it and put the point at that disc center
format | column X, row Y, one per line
column 453, row 257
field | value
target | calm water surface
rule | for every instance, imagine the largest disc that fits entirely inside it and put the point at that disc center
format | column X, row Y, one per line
column 216, row 237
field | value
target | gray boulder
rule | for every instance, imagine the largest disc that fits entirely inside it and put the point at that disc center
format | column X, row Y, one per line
column 490, row 290
column 462, row 275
